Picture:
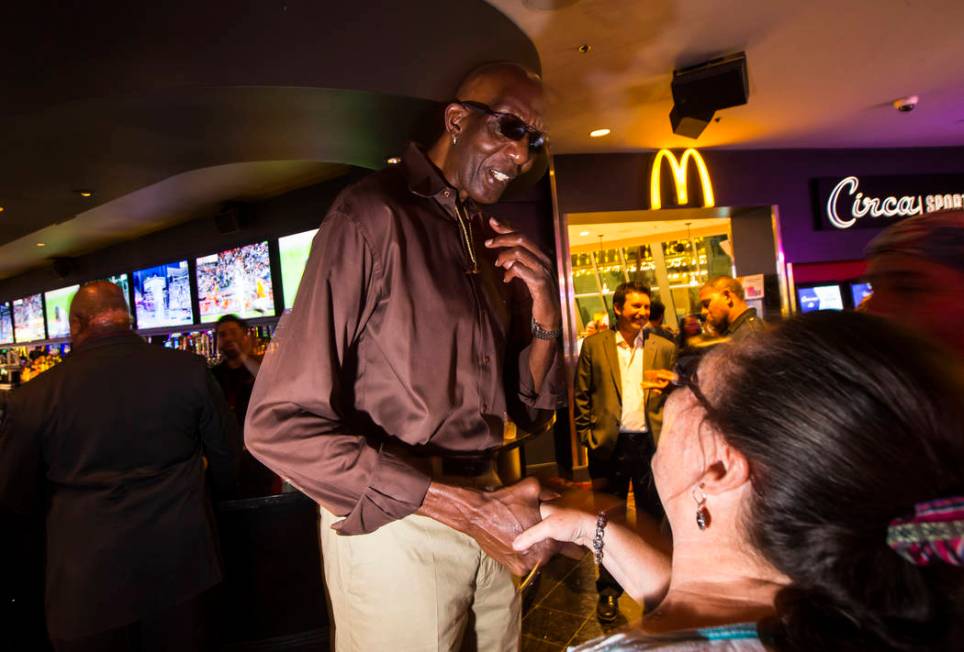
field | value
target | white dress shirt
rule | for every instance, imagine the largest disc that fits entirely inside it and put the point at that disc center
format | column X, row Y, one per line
column 631, row 374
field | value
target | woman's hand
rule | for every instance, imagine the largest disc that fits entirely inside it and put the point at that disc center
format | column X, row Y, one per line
column 559, row 524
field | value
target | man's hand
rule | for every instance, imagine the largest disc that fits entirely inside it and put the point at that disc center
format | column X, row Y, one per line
column 522, row 259
column 658, row 378
column 494, row 519
column 521, row 501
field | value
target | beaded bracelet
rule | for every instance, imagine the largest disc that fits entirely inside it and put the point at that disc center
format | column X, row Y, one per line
column 597, row 540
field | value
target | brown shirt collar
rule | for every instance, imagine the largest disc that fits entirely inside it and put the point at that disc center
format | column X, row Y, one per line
column 426, row 180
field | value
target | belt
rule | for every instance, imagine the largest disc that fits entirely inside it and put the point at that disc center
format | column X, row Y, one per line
column 634, row 434
column 455, row 464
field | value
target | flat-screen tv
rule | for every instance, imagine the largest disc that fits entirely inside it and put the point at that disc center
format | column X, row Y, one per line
column 820, row 297
column 28, row 319
column 162, row 296
column 121, row 281
column 58, row 311
column 6, row 323
column 294, row 250
column 236, row 282
column 859, row 292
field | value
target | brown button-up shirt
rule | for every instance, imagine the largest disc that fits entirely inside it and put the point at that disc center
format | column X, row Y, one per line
column 394, row 349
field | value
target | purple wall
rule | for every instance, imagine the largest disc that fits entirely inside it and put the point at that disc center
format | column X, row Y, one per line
column 605, row 182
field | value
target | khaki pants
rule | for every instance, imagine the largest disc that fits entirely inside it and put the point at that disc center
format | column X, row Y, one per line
column 416, row 585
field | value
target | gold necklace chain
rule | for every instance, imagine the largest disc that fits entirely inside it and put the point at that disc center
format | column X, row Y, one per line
column 465, row 228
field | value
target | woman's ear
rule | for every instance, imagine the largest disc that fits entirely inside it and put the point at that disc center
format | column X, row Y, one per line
column 729, row 471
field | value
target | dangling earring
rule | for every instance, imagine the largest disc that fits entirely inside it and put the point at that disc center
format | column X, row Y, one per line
column 455, row 139
column 702, row 514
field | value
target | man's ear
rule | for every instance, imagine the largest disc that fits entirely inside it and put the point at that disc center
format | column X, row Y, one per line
column 730, row 471
column 454, row 115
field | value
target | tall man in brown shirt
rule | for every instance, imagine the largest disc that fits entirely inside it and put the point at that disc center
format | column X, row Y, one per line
column 401, row 362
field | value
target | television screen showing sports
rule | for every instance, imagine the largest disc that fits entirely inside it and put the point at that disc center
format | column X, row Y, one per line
column 821, row 297
column 162, row 296
column 236, row 282
column 28, row 319
column 294, row 250
column 6, row 323
column 58, row 311
column 121, row 281
column 860, row 291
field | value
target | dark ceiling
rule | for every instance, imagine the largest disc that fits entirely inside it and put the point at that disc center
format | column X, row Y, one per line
column 243, row 99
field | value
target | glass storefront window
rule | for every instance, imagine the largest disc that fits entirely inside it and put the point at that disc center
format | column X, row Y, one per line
column 674, row 268
column 588, row 308
column 718, row 262
column 584, row 281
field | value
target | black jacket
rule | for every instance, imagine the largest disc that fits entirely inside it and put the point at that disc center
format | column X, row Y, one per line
column 111, row 444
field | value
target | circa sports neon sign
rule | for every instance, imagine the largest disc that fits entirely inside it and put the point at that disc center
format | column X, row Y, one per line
column 846, row 204
column 679, row 169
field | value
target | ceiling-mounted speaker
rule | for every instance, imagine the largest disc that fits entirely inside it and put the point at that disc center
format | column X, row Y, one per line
column 690, row 124
column 63, row 266
column 700, row 91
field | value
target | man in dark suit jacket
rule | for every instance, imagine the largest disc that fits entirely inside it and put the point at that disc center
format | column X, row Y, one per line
column 618, row 415
column 113, row 442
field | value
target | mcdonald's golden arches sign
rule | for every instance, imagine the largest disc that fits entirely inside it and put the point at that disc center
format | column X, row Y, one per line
column 679, row 168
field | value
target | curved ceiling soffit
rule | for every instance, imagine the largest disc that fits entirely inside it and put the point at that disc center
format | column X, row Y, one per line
column 117, row 146
column 180, row 198
column 62, row 52
column 119, row 98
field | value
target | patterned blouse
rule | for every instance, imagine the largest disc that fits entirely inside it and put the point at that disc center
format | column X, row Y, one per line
column 727, row 638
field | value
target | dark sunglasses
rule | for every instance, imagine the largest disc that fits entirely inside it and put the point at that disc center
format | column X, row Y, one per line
column 511, row 126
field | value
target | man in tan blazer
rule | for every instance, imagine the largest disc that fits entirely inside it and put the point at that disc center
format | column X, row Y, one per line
column 617, row 417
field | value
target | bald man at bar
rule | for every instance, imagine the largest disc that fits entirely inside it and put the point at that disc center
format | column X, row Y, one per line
column 111, row 444
column 421, row 326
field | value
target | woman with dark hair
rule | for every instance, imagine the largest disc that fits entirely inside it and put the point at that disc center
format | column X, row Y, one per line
column 813, row 478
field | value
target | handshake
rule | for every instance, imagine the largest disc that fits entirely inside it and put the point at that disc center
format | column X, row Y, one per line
column 495, row 519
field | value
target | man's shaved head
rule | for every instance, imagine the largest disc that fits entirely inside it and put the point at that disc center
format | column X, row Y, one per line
column 727, row 283
column 98, row 308
column 489, row 82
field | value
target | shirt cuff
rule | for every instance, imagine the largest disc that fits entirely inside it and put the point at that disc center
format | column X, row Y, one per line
column 395, row 490
column 552, row 394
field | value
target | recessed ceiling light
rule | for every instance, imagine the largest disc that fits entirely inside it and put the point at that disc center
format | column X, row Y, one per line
column 393, row 160
column 1, row 209
column 599, row 133
column 86, row 194
column 41, row 244
column 583, row 234
column 906, row 104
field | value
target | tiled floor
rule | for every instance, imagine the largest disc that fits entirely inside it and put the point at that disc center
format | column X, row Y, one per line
column 562, row 609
